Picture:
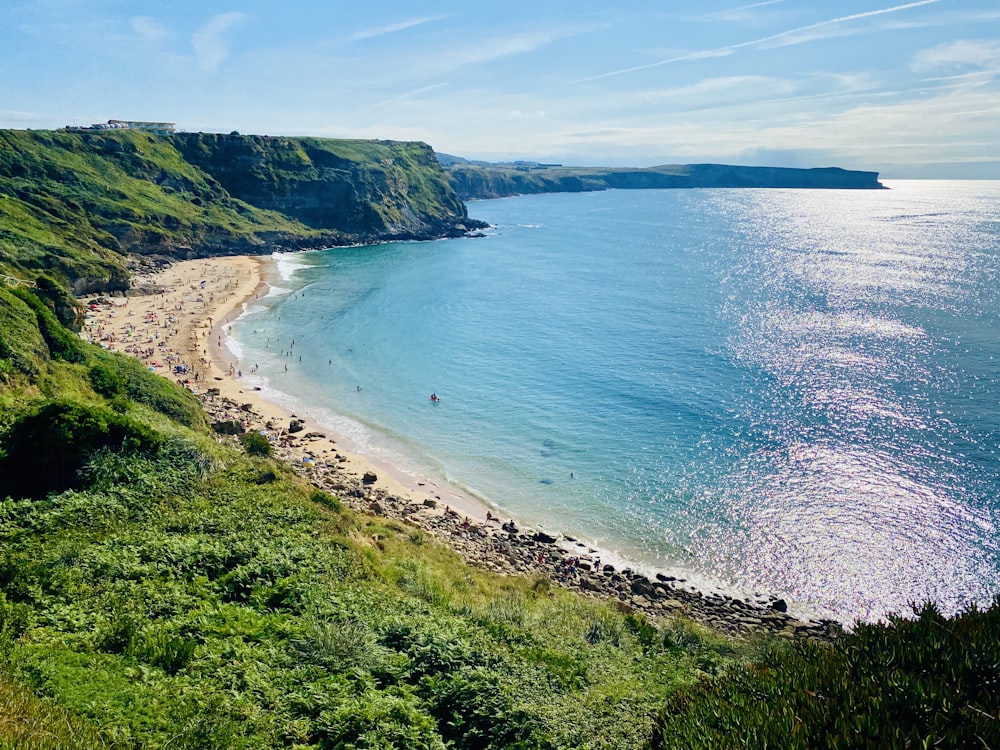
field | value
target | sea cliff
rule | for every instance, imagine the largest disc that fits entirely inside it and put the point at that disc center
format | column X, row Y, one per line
column 75, row 205
column 477, row 180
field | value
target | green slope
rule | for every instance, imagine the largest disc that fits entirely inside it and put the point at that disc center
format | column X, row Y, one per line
column 74, row 205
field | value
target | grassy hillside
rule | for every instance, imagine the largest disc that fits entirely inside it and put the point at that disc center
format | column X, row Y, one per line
column 74, row 205
column 368, row 188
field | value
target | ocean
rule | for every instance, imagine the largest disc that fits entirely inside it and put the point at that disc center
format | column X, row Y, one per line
column 784, row 392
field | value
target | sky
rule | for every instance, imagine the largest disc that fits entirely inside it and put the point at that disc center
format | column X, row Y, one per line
column 909, row 89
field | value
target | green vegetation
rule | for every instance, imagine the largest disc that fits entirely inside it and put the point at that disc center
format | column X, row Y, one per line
column 255, row 444
column 922, row 682
column 160, row 589
column 74, row 205
column 364, row 188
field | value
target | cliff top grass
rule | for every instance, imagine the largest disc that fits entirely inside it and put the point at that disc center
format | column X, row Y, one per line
column 75, row 204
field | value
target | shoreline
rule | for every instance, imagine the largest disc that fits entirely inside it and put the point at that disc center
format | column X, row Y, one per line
column 176, row 320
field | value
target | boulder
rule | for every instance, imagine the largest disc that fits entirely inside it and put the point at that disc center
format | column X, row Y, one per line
column 228, row 427
column 369, row 478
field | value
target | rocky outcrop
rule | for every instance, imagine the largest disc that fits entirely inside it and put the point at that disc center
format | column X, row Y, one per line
column 368, row 189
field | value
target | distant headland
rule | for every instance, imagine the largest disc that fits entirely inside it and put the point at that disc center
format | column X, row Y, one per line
column 477, row 179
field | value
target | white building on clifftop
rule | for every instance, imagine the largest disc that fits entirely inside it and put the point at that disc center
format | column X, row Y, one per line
column 159, row 128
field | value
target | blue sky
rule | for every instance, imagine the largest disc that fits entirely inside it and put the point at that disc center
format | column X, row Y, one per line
column 911, row 89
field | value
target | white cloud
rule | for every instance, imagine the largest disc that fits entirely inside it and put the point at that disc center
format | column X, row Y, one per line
column 487, row 49
column 741, row 13
column 148, row 29
column 957, row 55
column 413, row 94
column 209, row 41
column 392, row 28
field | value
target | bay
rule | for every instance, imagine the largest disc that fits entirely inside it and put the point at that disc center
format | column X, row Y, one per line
column 789, row 392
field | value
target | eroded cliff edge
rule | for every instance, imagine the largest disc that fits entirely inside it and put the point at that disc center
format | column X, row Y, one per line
column 75, row 205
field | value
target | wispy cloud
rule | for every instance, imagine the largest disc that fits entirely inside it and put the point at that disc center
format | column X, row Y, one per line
column 792, row 36
column 489, row 49
column 408, row 95
column 738, row 14
column 393, row 27
column 148, row 29
column 210, row 44
column 962, row 53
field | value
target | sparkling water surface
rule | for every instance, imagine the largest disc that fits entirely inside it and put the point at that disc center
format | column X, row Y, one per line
column 792, row 392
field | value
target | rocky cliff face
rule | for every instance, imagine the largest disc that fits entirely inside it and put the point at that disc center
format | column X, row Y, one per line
column 370, row 189
column 75, row 205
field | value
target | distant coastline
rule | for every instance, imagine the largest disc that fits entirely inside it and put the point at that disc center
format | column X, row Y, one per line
column 483, row 180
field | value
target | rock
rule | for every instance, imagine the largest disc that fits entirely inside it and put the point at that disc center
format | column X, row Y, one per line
column 643, row 587
column 779, row 605
column 228, row 427
column 376, row 508
column 369, row 478
column 296, row 425
column 543, row 538
column 428, row 503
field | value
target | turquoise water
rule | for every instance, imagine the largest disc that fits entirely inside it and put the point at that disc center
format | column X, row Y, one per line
column 784, row 391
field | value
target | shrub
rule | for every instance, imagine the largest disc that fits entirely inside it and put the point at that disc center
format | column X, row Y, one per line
column 472, row 711
column 116, row 377
column 925, row 682
column 377, row 720
column 326, row 500
column 47, row 447
column 63, row 343
column 170, row 653
column 255, row 444
column 106, row 380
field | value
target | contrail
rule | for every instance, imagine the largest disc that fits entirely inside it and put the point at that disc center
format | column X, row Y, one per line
column 723, row 51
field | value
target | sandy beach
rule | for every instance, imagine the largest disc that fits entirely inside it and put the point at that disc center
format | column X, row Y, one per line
column 176, row 321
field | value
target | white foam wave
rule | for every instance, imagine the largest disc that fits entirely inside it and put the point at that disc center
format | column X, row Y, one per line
column 288, row 264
